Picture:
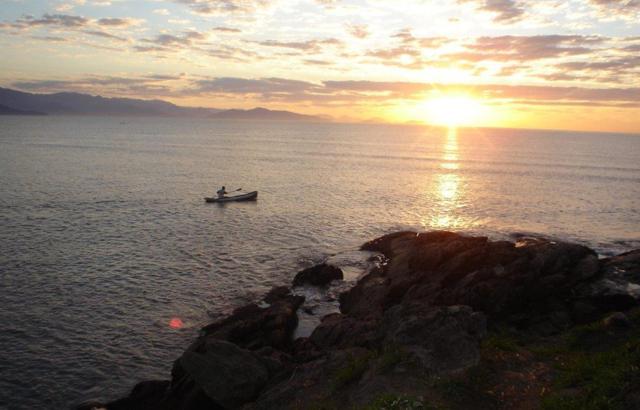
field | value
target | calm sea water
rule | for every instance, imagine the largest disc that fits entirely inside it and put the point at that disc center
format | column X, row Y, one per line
column 104, row 236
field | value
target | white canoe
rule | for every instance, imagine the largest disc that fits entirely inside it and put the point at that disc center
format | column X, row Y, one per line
column 250, row 196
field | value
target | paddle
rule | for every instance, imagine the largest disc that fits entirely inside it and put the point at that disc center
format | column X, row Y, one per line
column 239, row 189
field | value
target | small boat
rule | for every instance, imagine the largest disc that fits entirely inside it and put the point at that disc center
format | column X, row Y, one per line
column 250, row 196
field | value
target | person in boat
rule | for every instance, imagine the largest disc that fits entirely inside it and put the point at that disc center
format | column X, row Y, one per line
column 222, row 192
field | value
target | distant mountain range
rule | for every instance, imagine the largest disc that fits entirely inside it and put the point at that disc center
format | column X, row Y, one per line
column 4, row 110
column 13, row 102
column 264, row 114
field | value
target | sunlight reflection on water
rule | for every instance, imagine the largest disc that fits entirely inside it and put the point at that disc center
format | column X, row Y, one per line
column 446, row 191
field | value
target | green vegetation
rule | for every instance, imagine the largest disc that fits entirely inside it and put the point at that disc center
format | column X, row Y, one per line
column 597, row 368
column 468, row 388
column 354, row 369
column 385, row 360
column 589, row 367
column 502, row 339
column 390, row 356
column 394, row 402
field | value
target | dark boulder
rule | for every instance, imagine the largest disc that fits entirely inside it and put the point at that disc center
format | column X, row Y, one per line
column 387, row 244
column 319, row 275
column 254, row 327
column 367, row 297
column 441, row 339
column 316, row 383
column 617, row 284
column 228, row 375
column 340, row 331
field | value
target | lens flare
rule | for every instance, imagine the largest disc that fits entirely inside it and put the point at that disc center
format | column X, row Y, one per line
column 176, row 323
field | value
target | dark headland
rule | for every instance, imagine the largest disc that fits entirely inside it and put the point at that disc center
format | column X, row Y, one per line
column 14, row 102
column 443, row 322
column 4, row 110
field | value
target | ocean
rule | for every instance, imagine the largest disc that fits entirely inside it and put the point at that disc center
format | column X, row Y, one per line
column 105, row 236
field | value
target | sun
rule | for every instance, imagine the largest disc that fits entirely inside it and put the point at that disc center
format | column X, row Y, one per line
column 453, row 110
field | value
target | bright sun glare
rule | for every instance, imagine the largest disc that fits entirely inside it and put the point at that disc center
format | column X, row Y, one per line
column 453, row 110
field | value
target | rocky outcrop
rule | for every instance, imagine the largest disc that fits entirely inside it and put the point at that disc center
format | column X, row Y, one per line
column 618, row 283
column 526, row 284
column 319, row 275
column 253, row 327
column 228, row 375
column 424, row 311
column 441, row 339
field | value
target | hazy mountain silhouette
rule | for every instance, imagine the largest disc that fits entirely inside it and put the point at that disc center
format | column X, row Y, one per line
column 264, row 114
column 84, row 104
column 4, row 110
column 14, row 102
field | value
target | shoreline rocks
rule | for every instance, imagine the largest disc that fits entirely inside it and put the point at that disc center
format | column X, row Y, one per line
column 425, row 311
column 319, row 275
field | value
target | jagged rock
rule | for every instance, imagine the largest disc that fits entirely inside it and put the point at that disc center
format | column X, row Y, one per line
column 367, row 297
column 228, row 375
column 617, row 286
column 319, row 275
column 340, row 331
column 616, row 320
column 387, row 244
column 442, row 339
column 91, row 405
column 522, row 285
column 277, row 293
column 253, row 327
column 315, row 382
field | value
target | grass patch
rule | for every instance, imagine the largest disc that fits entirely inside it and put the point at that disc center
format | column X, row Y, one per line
column 352, row 371
column 468, row 389
column 326, row 405
column 390, row 356
column 501, row 340
column 394, row 402
column 581, row 337
column 597, row 380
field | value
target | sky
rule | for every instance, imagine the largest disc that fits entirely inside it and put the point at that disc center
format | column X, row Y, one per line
column 554, row 64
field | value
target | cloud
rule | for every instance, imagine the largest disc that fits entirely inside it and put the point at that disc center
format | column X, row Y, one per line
column 408, row 50
column 358, row 30
column 617, row 9
column 317, row 62
column 162, row 12
column 336, row 92
column 171, row 42
column 526, row 48
column 209, row 7
column 495, row 91
column 309, row 46
column 263, row 86
column 226, row 52
column 58, row 23
column 104, row 35
column 55, row 39
column 226, row 29
column 615, row 70
column 504, row 11
column 118, row 22
column 61, row 20
column 135, row 86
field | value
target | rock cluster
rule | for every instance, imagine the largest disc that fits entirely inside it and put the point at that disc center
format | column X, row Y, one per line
column 424, row 311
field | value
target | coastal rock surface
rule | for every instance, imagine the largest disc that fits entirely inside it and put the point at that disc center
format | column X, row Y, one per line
column 319, row 275
column 422, row 315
